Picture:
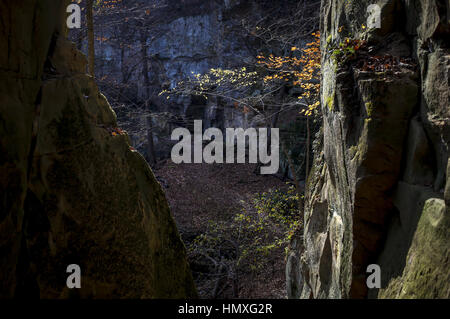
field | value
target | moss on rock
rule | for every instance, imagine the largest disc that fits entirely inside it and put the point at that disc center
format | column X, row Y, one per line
column 426, row 272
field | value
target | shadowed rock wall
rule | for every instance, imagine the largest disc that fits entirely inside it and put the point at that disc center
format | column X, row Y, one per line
column 72, row 191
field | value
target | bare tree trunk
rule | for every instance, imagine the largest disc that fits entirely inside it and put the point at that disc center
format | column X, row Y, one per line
column 145, row 65
column 288, row 157
column 150, row 147
column 294, row 176
column 236, row 285
column 90, row 28
column 122, row 70
column 219, row 280
column 308, row 142
column 80, row 39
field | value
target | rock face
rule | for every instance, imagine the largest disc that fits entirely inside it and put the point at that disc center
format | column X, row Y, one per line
column 196, row 36
column 376, row 193
column 72, row 190
column 195, row 42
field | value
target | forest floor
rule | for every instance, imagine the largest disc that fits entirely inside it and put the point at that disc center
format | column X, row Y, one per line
column 199, row 194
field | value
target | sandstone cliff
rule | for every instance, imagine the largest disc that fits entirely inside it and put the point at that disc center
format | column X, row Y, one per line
column 379, row 191
column 72, row 191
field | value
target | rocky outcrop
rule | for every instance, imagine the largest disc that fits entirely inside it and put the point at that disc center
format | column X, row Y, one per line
column 376, row 193
column 72, row 189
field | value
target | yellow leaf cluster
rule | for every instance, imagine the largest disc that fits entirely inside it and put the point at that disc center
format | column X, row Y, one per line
column 302, row 70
